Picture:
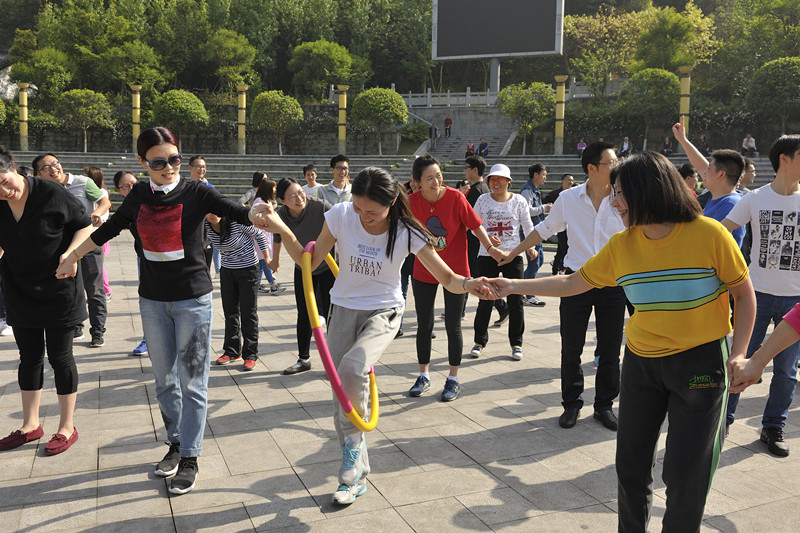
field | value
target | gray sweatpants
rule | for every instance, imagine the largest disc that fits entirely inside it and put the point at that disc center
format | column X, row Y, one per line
column 356, row 340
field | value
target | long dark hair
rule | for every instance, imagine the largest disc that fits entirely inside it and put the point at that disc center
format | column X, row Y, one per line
column 266, row 190
column 224, row 228
column 654, row 190
column 381, row 187
column 258, row 177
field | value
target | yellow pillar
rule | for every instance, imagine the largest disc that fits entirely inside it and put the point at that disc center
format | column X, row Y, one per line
column 686, row 81
column 136, row 113
column 23, row 116
column 342, row 117
column 561, row 95
column 242, row 103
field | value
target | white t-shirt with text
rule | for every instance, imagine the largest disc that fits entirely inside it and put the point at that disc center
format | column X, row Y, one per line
column 367, row 279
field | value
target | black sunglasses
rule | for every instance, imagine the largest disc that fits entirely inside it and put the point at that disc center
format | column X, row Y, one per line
column 160, row 164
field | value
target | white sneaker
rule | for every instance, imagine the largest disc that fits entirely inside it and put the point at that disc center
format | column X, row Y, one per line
column 345, row 495
column 476, row 350
column 352, row 469
column 5, row 330
column 516, row 353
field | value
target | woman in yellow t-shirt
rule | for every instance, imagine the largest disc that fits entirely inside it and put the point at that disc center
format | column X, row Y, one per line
column 677, row 268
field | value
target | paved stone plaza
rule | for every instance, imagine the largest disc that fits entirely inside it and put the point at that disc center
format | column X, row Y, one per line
column 493, row 460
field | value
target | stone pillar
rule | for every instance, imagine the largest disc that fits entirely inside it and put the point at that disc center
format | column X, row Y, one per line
column 136, row 113
column 494, row 75
column 242, row 116
column 342, row 118
column 560, row 101
column 23, row 116
column 686, row 81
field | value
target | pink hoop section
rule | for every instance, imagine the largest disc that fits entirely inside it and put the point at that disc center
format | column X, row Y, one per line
column 324, row 352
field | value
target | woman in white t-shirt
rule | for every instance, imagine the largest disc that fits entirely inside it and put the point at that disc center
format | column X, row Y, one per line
column 503, row 213
column 373, row 236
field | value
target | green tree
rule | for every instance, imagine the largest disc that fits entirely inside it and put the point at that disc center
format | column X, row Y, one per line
column 276, row 112
column 179, row 110
column 380, row 108
column 673, row 39
column 317, row 64
column 48, row 69
column 178, row 34
column 231, row 57
column 84, row 109
column 527, row 105
column 600, row 47
column 132, row 62
column 2, row 112
column 651, row 98
column 774, row 90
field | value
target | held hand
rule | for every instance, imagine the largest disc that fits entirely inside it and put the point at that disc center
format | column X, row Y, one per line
column 96, row 221
column 533, row 253
column 679, row 132
column 66, row 267
column 505, row 258
column 495, row 240
column 502, row 287
column 481, row 288
column 263, row 216
column 548, row 207
column 274, row 264
column 495, row 253
column 745, row 372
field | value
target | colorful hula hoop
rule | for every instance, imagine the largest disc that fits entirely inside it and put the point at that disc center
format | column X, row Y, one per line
column 325, row 354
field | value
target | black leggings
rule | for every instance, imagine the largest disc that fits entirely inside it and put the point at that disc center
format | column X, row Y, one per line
column 31, row 344
column 323, row 283
column 424, row 297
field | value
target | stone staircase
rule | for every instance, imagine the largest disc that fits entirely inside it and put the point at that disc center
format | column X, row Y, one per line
column 232, row 174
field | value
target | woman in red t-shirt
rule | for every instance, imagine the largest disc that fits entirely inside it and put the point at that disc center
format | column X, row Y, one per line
column 445, row 212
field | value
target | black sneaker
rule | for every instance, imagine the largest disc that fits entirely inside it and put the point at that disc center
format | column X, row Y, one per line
column 184, row 480
column 773, row 438
column 300, row 366
column 97, row 340
column 502, row 320
column 77, row 334
column 169, row 464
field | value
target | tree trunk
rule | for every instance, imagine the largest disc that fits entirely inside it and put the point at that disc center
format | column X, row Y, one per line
column 280, row 146
column 85, row 143
column 380, row 150
column 524, row 139
column 644, row 142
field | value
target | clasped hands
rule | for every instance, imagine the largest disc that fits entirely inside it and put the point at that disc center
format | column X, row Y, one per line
column 742, row 373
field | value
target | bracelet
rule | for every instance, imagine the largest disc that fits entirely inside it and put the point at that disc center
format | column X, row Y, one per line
column 464, row 283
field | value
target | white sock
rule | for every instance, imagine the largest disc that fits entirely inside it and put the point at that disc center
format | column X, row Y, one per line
column 425, row 375
column 454, row 378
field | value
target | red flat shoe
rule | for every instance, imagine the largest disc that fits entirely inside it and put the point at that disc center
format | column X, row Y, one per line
column 18, row 438
column 59, row 443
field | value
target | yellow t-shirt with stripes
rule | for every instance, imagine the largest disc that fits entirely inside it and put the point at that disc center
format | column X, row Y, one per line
column 678, row 284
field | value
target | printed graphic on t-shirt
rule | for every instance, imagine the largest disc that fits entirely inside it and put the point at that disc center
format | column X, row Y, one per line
column 159, row 228
column 779, row 247
column 434, row 225
column 366, row 263
column 500, row 229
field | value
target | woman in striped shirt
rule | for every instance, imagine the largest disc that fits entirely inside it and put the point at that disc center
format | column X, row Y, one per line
column 239, row 287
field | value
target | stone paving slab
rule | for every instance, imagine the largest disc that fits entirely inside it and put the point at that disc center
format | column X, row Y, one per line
column 493, row 460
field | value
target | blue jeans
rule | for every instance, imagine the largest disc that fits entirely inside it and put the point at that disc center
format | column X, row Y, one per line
column 178, row 338
column 534, row 266
column 770, row 308
column 266, row 271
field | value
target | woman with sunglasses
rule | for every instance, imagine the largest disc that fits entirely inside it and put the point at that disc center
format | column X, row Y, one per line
column 42, row 222
column 166, row 218
column 676, row 267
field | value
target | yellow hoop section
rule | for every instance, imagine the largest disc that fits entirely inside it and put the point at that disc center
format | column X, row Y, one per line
column 325, row 354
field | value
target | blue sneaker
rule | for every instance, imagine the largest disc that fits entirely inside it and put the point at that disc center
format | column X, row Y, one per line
column 347, row 494
column 352, row 469
column 421, row 385
column 141, row 349
column 451, row 390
